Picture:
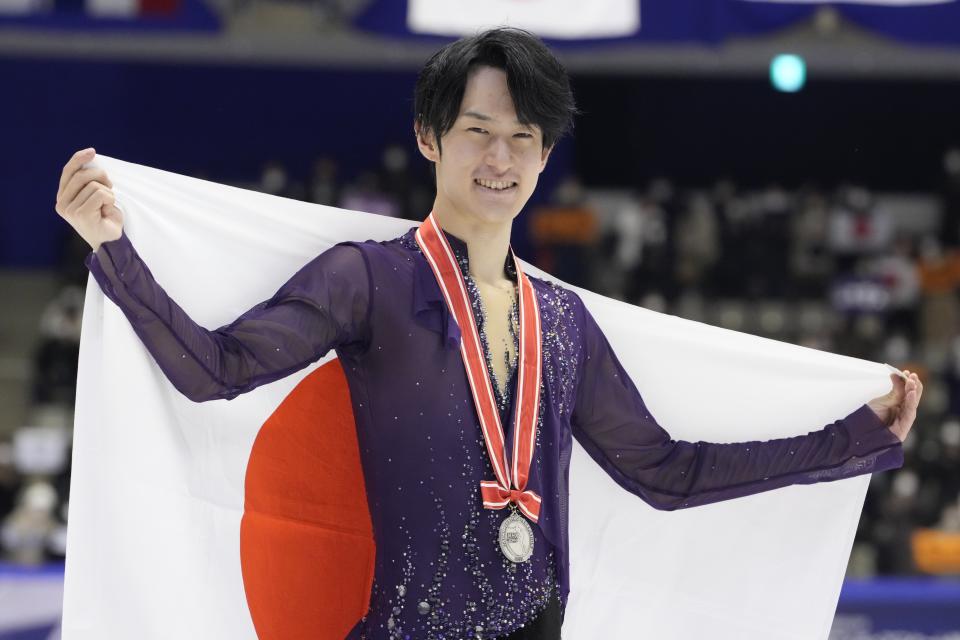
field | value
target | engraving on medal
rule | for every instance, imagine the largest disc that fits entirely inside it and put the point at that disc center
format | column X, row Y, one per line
column 516, row 538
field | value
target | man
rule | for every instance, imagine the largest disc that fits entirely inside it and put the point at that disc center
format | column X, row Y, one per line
column 468, row 379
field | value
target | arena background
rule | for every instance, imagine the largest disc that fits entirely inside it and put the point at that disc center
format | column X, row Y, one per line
column 826, row 215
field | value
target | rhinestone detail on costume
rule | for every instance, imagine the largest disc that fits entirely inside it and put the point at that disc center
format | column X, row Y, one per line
column 489, row 607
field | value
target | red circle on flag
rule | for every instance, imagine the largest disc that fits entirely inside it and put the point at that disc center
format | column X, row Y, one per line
column 306, row 540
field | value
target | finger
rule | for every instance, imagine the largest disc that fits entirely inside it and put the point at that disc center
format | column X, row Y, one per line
column 100, row 175
column 79, row 180
column 909, row 411
column 912, row 401
column 74, row 205
column 904, row 421
column 74, row 163
column 83, row 206
column 899, row 388
column 892, row 393
column 90, row 210
column 73, row 192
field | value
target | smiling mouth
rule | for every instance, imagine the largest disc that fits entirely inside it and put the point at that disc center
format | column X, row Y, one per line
column 495, row 185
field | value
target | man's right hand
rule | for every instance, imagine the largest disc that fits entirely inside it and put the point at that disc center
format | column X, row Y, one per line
column 85, row 200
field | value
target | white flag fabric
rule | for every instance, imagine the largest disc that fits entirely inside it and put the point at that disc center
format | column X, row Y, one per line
column 157, row 489
column 562, row 19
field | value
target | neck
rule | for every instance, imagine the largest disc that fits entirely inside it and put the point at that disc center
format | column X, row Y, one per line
column 487, row 243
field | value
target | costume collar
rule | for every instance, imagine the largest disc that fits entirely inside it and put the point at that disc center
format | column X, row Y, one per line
column 429, row 308
column 462, row 254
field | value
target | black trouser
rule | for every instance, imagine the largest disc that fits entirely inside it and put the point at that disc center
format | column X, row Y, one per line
column 546, row 626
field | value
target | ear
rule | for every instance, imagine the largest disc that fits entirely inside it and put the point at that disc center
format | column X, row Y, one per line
column 543, row 158
column 426, row 142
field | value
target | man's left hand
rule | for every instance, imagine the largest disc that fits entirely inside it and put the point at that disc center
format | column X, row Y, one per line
column 898, row 408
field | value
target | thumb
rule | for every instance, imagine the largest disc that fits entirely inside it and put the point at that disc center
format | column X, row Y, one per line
column 899, row 386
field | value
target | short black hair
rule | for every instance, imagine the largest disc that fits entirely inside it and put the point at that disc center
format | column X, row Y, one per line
column 538, row 82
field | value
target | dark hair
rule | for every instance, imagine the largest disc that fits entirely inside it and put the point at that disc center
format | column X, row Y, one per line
column 538, row 83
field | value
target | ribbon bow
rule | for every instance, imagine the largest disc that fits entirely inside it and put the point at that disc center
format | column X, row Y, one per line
column 497, row 497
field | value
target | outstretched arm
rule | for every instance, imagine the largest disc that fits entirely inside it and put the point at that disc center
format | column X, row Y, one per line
column 325, row 305
column 613, row 424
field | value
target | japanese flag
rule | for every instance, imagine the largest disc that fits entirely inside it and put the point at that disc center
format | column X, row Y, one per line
column 242, row 519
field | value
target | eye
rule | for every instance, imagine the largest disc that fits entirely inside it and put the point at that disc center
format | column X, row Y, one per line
column 477, row 129
column 524, row 135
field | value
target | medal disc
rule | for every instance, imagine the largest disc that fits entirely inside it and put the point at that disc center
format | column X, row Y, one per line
column 516, row 538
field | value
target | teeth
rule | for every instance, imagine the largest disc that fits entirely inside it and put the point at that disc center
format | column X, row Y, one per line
column 494, row 184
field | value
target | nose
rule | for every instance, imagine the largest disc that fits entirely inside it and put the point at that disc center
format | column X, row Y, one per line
column 498, row 154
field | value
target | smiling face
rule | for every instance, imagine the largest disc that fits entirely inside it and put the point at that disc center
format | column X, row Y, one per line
column 490, row 162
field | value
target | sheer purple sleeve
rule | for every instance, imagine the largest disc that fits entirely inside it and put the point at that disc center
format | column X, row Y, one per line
column 325, row 305
column 611, row 421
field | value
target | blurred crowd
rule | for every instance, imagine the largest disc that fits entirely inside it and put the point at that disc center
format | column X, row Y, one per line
column 843, row 269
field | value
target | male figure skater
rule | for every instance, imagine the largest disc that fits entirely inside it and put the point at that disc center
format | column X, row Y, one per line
column 468, row 378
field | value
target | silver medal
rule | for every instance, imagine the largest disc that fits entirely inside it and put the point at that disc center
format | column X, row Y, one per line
column 516, row 538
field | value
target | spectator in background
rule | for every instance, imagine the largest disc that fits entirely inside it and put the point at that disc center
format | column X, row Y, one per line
column 33, row 531
column 723, row 278
column 945, row 476
column 855, row 228
column 810, row 263
column 897, row 270
column 564, row 234
column 937, row 462
column 57, row 355
column 770, row 252
column 892, row 533
column 624, row 244
column 26, row 531
column 939, row 273
column 662, row 192
column 644, row 250
column 698, row 242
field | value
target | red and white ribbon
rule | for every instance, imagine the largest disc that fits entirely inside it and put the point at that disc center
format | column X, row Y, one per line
column 498, row 493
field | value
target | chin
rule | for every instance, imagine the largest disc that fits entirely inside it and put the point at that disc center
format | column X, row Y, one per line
column 494, row 215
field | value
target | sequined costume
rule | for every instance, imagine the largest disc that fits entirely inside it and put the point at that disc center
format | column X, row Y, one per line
column 439, row 572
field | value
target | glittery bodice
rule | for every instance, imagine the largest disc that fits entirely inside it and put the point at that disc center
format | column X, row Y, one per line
column 504, row 395
column 452, row 580
column 439, row 572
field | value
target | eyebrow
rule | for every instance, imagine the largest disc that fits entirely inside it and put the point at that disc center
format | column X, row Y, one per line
column 486, row 118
